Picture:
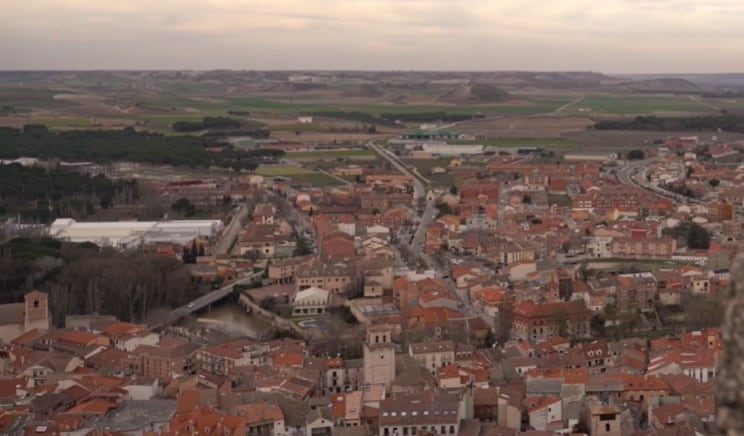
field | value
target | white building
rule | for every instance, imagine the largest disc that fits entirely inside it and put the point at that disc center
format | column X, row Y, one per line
column 125, row 235
column 311, row 301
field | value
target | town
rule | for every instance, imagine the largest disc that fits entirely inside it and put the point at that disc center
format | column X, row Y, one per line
column 437, row 285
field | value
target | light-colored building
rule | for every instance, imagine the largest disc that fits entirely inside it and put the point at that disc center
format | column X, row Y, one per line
column 433, row 355
column 125, row 235
column 311, row 301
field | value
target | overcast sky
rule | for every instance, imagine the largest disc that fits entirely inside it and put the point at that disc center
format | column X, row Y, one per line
column 612, row 36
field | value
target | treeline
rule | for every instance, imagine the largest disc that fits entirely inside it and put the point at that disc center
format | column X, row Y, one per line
column 728, row 123
column 361, row 117
column 106, row 146
column 83, row 278
column 422, row 117
column 206, row 124
column 42, row 195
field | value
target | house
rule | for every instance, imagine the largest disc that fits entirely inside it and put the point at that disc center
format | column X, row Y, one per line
column 603, row 420
column 311, row 301
column 19, row 318
column 433, row 410
column 262, row 418
column 433, row 355
column 126, row 337
column 540, row 321
column 546, row 414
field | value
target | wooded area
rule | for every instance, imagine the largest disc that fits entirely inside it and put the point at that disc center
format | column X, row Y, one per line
column 42, row 195
column 83, row 278
column 107, row 146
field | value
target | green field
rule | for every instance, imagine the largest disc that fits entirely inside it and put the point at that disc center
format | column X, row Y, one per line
column 520, row 142
column 297, row 174
column 315, row 179
column 533, row 106
column 281, row 170
column 329, row 153
column 637, row 104
column 424, row 166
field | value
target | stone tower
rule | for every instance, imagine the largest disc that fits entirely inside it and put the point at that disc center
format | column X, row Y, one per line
column 36, row 311
column 379, row 356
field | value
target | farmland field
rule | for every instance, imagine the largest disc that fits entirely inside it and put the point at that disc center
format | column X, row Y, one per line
column 329, row 153
column 637, row 104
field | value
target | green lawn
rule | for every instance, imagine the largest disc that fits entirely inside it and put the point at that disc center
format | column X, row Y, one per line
column 329, row 153
column 63, row 122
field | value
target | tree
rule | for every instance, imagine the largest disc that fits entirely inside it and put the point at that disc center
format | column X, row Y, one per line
column 184, row 207
column 527, row 199
column 697, row 237
column 453, row 190
column 636, row 155
column 714, row 183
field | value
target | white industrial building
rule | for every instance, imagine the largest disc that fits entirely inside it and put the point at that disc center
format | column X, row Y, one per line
column 124, row 235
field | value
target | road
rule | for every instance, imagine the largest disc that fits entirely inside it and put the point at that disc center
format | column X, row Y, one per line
column 230, row 234
column 426, row 218
column 634, row 174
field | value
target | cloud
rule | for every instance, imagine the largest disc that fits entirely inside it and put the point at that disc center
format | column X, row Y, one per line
column 618, row 35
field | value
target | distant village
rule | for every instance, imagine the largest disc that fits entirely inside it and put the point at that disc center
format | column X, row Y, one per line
column 534, row 295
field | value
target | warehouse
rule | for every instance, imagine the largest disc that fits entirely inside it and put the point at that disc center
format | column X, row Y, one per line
column 124, row 235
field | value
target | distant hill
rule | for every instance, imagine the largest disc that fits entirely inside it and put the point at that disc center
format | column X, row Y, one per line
column 474, row 93
column 674, row 85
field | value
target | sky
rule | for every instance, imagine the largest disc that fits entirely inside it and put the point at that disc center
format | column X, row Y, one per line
column 610, row 36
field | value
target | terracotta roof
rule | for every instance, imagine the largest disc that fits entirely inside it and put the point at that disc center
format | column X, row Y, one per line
column 94, row 407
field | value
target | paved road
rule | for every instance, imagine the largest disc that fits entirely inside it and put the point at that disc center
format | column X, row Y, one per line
column 634, row 174
column 426, row 218
column 230, row 234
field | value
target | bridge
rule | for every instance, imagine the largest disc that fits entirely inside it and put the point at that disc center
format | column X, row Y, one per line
column 204, row 301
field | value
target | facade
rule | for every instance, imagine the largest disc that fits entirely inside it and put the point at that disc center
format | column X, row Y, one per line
column 433, row 355
column 311, row 301
column 535, row 322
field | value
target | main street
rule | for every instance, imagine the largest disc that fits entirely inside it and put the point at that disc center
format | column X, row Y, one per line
column 416, row 245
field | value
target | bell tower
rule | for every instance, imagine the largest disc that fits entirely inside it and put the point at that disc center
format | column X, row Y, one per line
column 379, row 356
column 36, row 311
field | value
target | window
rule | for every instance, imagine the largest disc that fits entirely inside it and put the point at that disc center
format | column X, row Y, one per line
column 607, row 426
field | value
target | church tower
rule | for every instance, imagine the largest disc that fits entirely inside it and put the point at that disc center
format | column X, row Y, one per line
column 379, row 356
column 36, row 311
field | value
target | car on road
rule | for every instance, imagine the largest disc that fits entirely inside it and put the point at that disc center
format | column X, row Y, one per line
column 190, row 305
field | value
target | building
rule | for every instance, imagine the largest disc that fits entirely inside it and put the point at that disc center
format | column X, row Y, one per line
column 125, row 235
column 19, row 318
column 646, row 247
column 311, row 301
column 535, row 322
column 433, row 355
column 432, row 412
column 379, row 356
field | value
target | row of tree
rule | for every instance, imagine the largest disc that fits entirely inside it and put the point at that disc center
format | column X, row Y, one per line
column 728, row 123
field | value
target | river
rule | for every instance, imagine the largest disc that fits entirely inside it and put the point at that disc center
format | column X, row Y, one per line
column 231, row 320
